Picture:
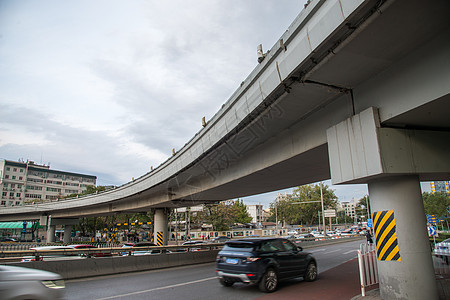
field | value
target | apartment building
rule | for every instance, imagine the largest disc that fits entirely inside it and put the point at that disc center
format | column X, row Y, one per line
column 256, row 212
column 350, row 207
column 26, row 182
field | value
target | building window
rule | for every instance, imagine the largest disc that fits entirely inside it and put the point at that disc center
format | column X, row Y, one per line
column 3, row 203
column 18, row 195
column 5, row 194
column 17, row 203
column 6, row 176
column 14, row 177
column 21, row 170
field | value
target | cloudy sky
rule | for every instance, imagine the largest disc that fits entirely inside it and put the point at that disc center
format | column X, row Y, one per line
column 109, row 87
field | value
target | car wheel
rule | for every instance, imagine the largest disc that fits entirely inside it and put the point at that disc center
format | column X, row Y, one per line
column 226, row 282
column 311, row 272
column 269, row 281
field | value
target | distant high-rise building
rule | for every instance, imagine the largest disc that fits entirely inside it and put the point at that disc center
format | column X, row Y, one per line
column 27, row 182
column 440, row 186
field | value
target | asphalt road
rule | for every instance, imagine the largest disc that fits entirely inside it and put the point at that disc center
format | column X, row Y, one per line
column 192, row 282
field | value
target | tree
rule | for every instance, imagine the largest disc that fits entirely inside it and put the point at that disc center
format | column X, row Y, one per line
column 436, row 203
column 219, row 216
column 362, row 208
column 292, row 211
column 240, row 213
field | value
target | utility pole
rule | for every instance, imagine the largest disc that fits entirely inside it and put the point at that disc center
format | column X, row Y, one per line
column 323, row 215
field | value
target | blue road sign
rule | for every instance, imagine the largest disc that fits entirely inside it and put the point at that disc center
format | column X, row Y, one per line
column 432, row 230
column 431, row 219
column 369, row 223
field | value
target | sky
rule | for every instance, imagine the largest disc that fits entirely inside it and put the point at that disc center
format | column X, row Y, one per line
column 109, row 88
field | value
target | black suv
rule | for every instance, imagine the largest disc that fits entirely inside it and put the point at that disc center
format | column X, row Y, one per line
column 264, row 261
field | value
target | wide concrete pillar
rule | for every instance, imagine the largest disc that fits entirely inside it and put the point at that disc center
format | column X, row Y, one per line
column 67, row 233
column 161, row 227
column 391, row 161
column 51, row 233
column 411, row 274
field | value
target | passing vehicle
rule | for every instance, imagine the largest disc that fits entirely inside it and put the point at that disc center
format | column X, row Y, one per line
column 90, row 254
column 220, row 239
column 6, row 239
column 136, row 245
column 26, row 283
column 263, row 261
column 292, row 232
column 306, row 236
column 151, row 252
column 58, row 254
column 126, row 245
column 442, row 250
column 192, row 243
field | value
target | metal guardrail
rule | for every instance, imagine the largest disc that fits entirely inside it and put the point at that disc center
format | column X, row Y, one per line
column 368, row 269
column 15, row 255
column 14, row 252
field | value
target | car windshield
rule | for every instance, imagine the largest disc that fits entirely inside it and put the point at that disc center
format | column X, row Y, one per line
column 239, row 246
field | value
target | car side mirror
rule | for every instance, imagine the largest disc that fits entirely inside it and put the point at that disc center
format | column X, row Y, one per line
column 300, row 249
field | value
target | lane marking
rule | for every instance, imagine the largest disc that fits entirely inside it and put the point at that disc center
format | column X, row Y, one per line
column 158, row 288
column 315, row 250
column 333, row 251
column 350, row 251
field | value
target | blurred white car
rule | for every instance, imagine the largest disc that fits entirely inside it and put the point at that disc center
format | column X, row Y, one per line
column 292, row 232
column 25, row 283
column 58, row 255
column 442, row 250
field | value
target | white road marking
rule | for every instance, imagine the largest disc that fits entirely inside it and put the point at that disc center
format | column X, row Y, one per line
column 350, row 251
column 317, row 250
column 158, row 288
column 334, row 251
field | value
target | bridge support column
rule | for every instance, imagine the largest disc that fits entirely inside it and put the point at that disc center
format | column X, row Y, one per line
column 160, row 228
column 67, row 233
column 392, row 161
column 51, row 231
column 405, row 267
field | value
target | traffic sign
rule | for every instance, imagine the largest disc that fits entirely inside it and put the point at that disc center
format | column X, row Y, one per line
column 329, row 213
column 431, row 219
column 432, row 230
column 369, row 223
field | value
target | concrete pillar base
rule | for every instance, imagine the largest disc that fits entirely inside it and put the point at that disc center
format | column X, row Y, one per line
column 161, row 225
column 67, row 233
column 51, row 231
column 411, row 276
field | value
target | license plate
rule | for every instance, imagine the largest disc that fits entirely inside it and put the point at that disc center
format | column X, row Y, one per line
column 232, row 261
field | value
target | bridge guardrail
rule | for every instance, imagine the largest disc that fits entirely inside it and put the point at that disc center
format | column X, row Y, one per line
column 16, row 255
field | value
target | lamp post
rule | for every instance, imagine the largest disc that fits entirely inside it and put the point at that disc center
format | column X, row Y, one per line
column 323, row 215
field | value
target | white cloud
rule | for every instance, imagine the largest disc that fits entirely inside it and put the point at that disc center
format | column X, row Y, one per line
column 110, row 87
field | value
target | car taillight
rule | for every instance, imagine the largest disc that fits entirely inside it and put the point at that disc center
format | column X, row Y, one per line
column 252, row 259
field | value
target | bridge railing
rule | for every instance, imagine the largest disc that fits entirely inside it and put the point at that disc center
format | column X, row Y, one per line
column 38, row 255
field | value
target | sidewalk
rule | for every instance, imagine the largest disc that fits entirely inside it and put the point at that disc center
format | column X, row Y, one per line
column 341, row 282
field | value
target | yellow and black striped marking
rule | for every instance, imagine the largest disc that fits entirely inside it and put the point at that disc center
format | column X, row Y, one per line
column 386, row 235
column 159, row 238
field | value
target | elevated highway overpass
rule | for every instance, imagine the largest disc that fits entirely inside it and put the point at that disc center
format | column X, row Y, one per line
column 355, row 91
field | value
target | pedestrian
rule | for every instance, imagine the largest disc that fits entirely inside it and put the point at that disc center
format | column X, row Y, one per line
column 369, row 237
